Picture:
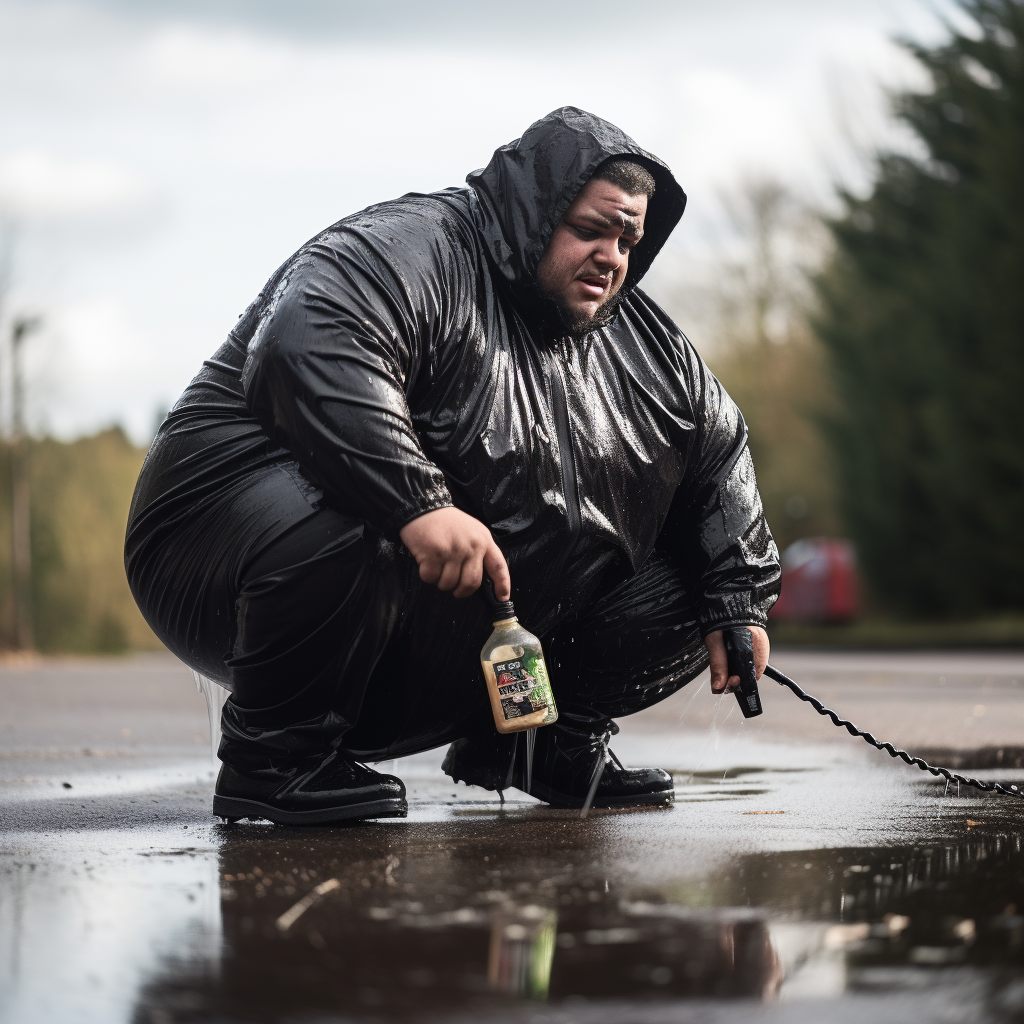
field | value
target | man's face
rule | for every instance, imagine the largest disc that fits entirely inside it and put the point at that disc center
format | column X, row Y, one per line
column 586, row 260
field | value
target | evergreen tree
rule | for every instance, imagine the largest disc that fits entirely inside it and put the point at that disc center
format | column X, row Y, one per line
column 922, row 319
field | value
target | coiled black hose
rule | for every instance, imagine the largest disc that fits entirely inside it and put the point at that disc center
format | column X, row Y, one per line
column 988, row 787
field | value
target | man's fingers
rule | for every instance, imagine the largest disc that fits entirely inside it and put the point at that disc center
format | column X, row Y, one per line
column 721, row 681
column 449, row 577
column 453, row 550
column 723, row 684
column 471, row 577
column 762, row 648
column 719, row 663
column 497, row 568
column 430, row 570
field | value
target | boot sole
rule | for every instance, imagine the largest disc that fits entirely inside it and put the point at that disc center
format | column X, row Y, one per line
column 233, row 808
column 662, row 798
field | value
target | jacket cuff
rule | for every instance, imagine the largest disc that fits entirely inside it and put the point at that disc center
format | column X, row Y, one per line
column 430, row 502
column 711, row 627
column 743, row 608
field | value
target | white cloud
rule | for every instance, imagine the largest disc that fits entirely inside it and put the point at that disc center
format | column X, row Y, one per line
column 185, row 58
column 259, row 136
column 93, row 365
column 37, row 187
column 739, row 124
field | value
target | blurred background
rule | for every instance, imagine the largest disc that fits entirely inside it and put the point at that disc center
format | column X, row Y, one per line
column 850, row 263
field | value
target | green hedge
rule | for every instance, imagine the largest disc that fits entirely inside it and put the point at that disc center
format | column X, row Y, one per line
column 80, row 496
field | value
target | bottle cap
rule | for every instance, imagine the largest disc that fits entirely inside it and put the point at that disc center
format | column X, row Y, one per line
column 497, row 609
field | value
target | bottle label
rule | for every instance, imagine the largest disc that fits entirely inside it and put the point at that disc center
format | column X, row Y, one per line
column 523, row 685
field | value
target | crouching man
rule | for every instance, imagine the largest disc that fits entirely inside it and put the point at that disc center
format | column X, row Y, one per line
column 437, row 388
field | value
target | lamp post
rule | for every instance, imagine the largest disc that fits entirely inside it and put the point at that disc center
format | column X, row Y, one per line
column 21, row 495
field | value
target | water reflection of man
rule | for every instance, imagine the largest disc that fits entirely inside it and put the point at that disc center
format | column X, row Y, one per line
column 301, row 932
column 435, row 388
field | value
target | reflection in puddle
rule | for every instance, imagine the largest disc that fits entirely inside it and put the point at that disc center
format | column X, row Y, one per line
column 731, row 784
column 521, row 951
column 401, row 925
column 75, row 943
column 648, row 950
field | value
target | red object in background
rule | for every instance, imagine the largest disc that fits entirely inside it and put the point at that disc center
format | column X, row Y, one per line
column 820, row 582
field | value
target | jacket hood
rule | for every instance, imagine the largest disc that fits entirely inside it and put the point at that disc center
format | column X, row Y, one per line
column 530, row 183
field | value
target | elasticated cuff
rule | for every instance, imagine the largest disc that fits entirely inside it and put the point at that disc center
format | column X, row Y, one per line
column 707, row 626
column 431, row 502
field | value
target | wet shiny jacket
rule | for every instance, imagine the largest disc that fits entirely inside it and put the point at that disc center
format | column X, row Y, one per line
column 401, row 362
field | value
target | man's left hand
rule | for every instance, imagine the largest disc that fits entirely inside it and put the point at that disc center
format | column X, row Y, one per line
column 720, row 678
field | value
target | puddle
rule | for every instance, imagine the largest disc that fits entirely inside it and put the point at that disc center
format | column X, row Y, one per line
column 415, row 925
column 973, row 760
column 734, row 773
column 468, row 911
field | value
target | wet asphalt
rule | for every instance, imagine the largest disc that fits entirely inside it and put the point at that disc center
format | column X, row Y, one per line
column 800, row 876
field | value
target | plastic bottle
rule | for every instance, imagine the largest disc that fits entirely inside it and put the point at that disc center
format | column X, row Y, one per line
column 517, row 677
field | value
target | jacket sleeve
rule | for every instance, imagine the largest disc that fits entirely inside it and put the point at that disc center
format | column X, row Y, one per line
column 717, row 520
column 345, row 333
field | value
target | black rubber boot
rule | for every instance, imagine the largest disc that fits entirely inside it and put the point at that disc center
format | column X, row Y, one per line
column 319, row 792
column 567, row 757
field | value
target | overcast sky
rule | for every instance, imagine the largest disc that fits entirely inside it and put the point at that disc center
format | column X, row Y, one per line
column 159, row 159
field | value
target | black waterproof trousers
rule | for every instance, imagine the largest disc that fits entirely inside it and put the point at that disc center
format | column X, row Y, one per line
column 331, row 640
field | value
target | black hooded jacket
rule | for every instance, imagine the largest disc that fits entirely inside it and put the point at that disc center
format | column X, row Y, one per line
column 400, row 362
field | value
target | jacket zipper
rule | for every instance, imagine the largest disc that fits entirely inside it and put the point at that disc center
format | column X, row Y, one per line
column 560, row 410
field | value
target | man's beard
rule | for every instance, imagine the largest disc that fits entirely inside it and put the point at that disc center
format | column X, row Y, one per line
column 578, row 323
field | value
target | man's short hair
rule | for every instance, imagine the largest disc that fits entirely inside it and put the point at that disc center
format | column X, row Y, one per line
column 630, row 176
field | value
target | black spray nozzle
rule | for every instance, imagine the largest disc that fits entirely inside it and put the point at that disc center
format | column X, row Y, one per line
column 739, row 650
column 495, row 608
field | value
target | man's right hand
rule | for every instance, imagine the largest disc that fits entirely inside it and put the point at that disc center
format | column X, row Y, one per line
column 719, row 659
column 454, row 550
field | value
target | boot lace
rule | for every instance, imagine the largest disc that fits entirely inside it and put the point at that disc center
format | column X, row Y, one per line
column 604, row 756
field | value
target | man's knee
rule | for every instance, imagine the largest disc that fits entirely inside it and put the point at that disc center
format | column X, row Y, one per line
column 637, row 644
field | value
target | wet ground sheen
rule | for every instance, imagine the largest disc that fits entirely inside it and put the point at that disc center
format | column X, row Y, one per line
column 800, row 878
